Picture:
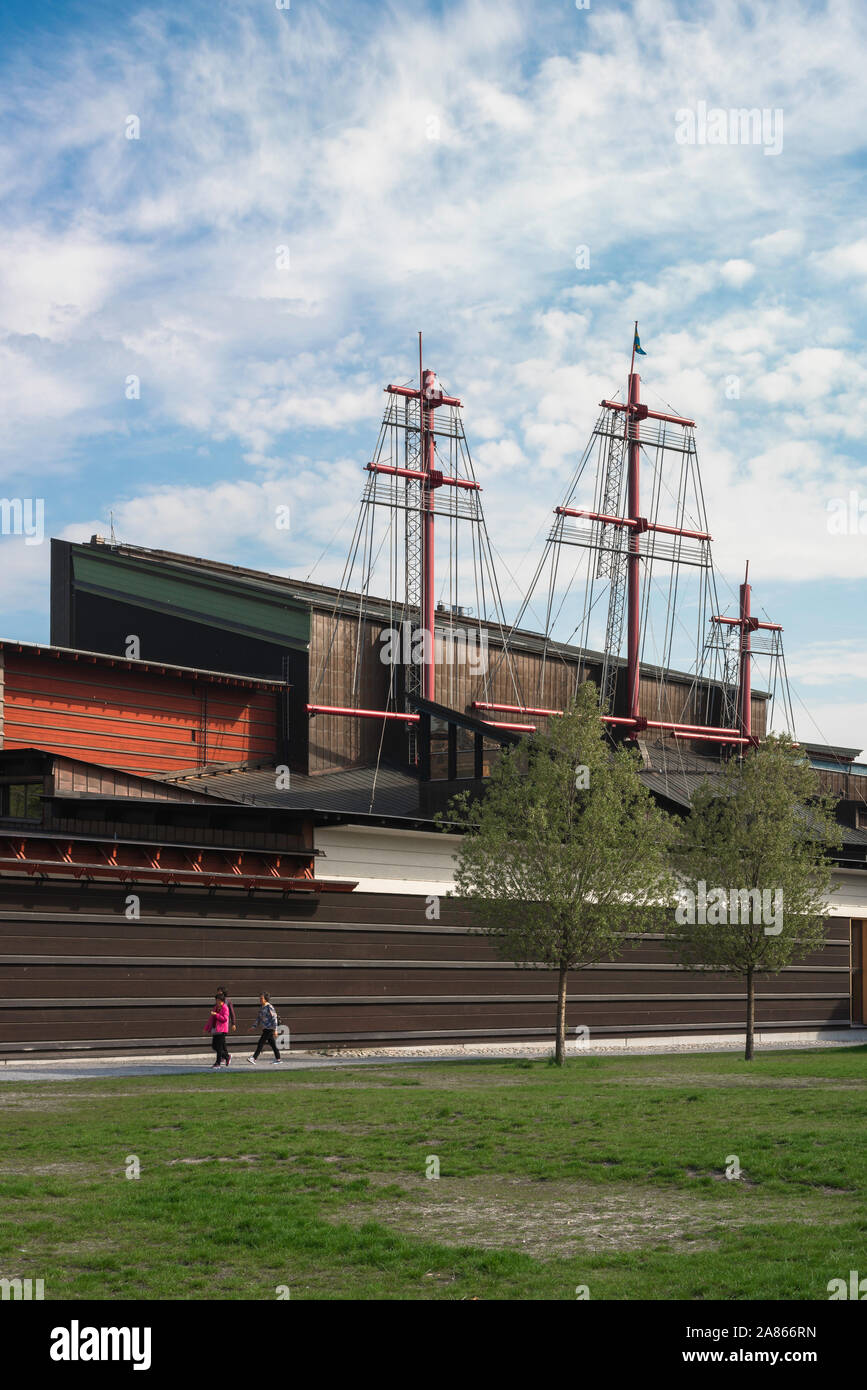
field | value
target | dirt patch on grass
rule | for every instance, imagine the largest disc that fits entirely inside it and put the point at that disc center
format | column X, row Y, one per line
column 51, row 1170
column 355, row 1127
column 675, row 1080
column 563, row 1219
column 212, row 1158
column 35, row 1100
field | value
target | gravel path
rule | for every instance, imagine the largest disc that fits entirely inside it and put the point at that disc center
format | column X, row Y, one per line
column 86, row 1068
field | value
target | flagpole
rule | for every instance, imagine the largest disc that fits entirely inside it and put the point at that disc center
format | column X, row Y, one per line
column 634, row 336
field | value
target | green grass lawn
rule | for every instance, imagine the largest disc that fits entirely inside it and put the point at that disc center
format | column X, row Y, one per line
column 608, row 1173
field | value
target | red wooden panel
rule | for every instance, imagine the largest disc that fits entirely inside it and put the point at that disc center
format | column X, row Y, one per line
column 139, row 721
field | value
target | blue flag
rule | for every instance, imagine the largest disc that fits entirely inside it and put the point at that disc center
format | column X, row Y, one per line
column 638, row 347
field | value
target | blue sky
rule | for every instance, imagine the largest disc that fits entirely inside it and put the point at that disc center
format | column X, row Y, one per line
column 435, row 166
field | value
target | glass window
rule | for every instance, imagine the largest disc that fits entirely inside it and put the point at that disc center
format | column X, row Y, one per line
column 23, row 800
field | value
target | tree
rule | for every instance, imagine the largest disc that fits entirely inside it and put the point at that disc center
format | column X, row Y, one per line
column 564, row 849
column 753, row 859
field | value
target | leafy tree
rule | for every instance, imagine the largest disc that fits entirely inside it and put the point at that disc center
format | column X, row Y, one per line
column 565, row 851
column 762, row 828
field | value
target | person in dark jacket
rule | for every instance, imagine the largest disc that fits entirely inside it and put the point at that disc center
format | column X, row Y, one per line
column 267, row 1020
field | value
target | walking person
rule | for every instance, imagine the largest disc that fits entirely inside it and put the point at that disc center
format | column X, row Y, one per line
column 233, row 1022
column 218, row 1026
column 267, row 1020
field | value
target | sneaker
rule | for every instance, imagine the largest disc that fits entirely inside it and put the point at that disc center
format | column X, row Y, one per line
column 252, row 1060
column 214, row 1064
column 228, row 1061
column 276, row 1062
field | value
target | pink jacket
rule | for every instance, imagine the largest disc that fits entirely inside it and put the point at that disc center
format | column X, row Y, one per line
column 219, row 1020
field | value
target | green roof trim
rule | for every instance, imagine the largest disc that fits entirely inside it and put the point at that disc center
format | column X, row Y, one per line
column 228, row 603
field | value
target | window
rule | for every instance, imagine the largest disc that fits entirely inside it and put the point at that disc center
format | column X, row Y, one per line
column 22, row 800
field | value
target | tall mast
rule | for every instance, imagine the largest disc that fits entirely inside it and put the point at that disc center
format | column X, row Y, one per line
column 746, row 714
column 406, row 473
column 637, row 524
column 429, row 398
column 633, row 562
column 747, row 625
column 428, row 402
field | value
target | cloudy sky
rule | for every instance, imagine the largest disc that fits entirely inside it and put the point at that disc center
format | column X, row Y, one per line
column 436, row 166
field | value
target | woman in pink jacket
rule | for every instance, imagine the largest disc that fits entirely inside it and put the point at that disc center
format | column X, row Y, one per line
column 218, row 1026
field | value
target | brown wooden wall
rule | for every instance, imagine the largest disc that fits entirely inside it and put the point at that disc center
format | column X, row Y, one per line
column 335, row 741
column 348, row 969
column 336, row 665
column 849, row 786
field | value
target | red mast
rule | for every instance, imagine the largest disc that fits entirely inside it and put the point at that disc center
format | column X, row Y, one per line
column 746, row 709
column 748, row 625
column 427, row 405
column 429, row 398
column 635, row 412
column 633, row 574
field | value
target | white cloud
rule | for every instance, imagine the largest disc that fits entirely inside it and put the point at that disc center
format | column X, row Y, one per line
column 829, row 663
column 737, row 272
column 842, row 723
column 841, row 262
column 778, row 246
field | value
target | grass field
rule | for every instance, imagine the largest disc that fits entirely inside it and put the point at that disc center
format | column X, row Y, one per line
column 609, row 1173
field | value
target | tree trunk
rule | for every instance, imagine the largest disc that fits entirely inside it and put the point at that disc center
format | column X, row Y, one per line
column 560, row 1053
column 751, row 1015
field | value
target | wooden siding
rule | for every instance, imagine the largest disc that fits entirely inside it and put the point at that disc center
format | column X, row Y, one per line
column 346, row 669
column 72, row 778
column 337, row 647
column 143, row 722
column 345, row 970
column 849, row 786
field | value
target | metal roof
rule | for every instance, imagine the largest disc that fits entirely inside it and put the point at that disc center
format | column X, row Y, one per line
column 389, row 792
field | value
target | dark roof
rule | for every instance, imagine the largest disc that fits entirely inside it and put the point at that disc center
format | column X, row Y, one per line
column 390, row 792
column 851, row 836
column 394, row 792
column 673, row 785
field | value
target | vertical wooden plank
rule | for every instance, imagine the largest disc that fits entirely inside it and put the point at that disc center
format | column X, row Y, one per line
column 858, row 930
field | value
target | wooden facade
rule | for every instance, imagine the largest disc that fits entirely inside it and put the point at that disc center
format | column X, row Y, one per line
column 256, row 624
column 345, row 970
column 132, row 715
column 348, row 651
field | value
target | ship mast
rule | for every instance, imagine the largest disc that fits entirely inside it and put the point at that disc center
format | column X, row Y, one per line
column 622, row 540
